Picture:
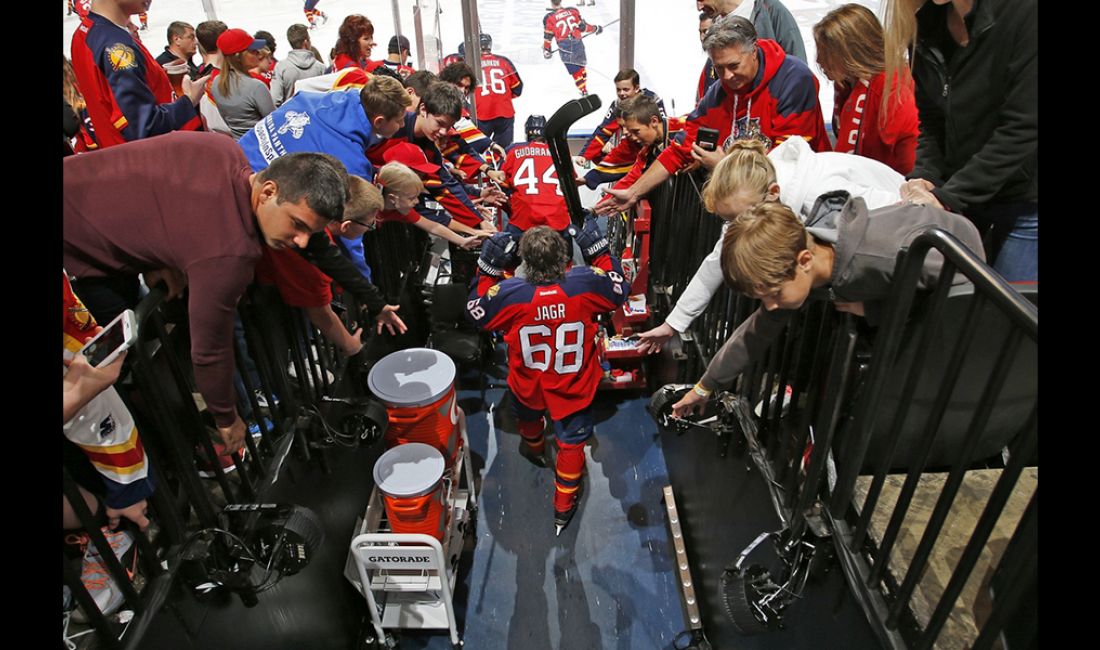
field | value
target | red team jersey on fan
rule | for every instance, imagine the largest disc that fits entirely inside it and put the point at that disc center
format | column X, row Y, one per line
column 536, row 197
column 565, row 23
column 501, row 84
column 128, row 94
column 550, row 330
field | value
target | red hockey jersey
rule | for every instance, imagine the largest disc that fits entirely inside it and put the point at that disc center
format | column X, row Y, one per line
column 501, row 83
column 565, row 23
column 550, row 330
column 536, row 194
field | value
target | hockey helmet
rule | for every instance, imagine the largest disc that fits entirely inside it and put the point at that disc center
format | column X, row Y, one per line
column 535, row 127
column 486, row 42
column 462, row 50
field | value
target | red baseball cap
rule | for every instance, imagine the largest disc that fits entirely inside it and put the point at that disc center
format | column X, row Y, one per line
column 410, row 155
column 235, row 41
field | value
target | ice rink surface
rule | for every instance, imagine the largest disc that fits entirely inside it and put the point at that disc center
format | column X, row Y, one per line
column 667, row 54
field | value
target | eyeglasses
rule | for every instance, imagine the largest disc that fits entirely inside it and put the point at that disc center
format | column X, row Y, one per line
column 369, row 226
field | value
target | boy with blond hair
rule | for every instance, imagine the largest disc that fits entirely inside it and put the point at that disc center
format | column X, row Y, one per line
column 844, row 253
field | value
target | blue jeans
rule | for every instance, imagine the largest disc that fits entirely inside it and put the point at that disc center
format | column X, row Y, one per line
column 1018, row 260
column 1015, row 245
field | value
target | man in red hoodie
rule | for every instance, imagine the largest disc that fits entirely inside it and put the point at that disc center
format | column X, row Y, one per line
column 763, row 94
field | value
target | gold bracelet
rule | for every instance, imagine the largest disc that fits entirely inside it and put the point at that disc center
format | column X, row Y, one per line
column 701, row 391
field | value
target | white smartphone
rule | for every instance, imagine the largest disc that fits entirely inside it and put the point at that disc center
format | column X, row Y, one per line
column 119, row 335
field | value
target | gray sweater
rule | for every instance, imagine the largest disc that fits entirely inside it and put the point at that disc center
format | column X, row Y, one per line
column 249, row 102
column 866, row 244
column 773, row 20
column 299, row 64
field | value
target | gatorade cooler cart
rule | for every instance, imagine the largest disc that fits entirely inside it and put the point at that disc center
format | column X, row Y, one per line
column 405, row 550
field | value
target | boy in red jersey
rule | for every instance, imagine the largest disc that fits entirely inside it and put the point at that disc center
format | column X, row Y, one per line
column 568, row 28
column 549, row 323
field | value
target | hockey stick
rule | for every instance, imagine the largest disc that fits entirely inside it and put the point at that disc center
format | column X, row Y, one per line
column 590, row 33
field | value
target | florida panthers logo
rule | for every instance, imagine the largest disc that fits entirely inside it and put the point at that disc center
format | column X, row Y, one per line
column 121, row 57
column 295, row 123
column 747, row 128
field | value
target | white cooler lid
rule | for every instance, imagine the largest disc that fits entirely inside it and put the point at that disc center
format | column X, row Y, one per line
column 409, row 470
column 412, row 377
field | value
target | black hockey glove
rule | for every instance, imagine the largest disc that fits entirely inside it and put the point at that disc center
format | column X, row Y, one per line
column 497, row 254
column 589, row 238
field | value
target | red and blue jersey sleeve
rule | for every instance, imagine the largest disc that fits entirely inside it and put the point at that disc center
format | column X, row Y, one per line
column 711, row 112
column 128, row 94
column 515, row 84
column 448, row 192
column 602, row 135
column 797, row 109
column 615, row 165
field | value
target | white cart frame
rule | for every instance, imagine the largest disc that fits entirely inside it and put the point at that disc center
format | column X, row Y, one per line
column 408, row 579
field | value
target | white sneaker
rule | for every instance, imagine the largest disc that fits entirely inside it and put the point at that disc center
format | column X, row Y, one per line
column 293, row 373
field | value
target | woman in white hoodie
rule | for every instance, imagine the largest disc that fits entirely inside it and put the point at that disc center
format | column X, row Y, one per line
column 792, row 174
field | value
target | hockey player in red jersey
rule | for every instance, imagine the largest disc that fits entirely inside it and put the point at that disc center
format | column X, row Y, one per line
column 315, row 16
column 549, row 323
column 536, row 197
column 496, row 116
column 568, row 28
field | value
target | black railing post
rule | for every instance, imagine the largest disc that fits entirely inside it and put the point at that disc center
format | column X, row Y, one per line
column 954, row 480
column 939, row 298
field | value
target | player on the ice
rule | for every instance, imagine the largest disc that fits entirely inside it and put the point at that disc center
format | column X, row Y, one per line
column 568, row 28
column 315, row 16
column 549, row 322
column 496, row 116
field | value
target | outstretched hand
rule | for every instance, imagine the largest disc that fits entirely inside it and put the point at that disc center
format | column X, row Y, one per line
column 616, row 201
column 653, row 340
column 389, row 319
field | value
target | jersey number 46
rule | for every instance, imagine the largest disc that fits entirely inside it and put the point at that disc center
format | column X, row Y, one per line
column 494, row 82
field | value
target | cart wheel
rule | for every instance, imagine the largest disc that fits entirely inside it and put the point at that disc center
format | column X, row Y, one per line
column 741, row 593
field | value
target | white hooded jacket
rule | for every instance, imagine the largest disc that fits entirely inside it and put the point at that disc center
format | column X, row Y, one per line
column 802, row 175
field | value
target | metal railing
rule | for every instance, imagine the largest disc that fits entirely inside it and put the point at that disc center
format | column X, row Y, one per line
column 990, row 368
column 158, row 388
column 924, row 393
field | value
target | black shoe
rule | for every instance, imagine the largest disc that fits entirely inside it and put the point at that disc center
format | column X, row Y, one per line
column 562, row 519
column 538, row 459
